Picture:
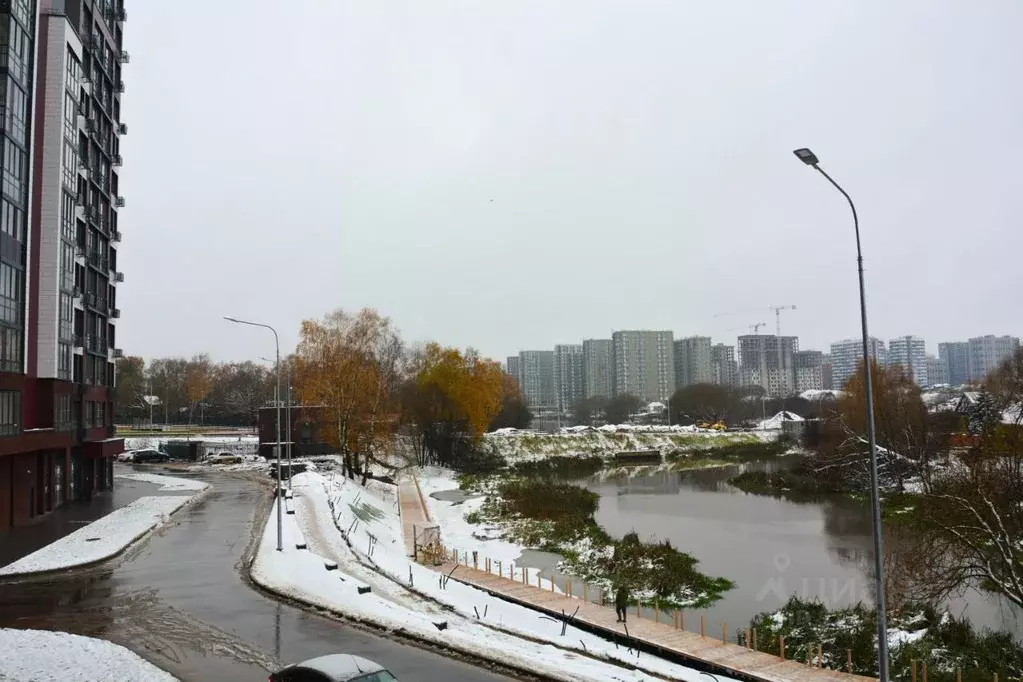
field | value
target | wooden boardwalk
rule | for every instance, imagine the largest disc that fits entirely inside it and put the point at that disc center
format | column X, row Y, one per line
column 672, row 638
column 413, row 511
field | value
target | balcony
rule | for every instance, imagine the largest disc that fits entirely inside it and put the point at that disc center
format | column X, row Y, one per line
column 124, row 57
column 119, row 87
column 79, row 251
column 115, row 313
column 118, row 276
column 118, row 161
column 95, row 344
column 116, row 353
column 119, row 202
column 122, row 128
column 91, row 125
column 120, row 15
column 91, row 213
column 115, row 236
column 98, row 260
column 76, row 291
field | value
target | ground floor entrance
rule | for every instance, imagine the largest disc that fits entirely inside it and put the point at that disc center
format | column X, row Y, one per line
column 33, row 484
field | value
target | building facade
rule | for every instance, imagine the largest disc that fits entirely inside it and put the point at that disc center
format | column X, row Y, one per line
column 723, row 366
column 846, row 356
column 693, row 364
column 598, row 368
column 62, row 80
column 827, row 382
column 644, row 364
column 910, row 353
column 809, row 370
column 987, row 352
column 568, row 373
column 767, row 361
column 538, row 381
column 513, row 368
column 937, row 371
column 956, row 356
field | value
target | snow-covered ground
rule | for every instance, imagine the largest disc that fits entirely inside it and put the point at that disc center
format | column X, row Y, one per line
column 47, row 656
column 371, row 552
column 102, row 539
column 167, row 482
column 605, row 441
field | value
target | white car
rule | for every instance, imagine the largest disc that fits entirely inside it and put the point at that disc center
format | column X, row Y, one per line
column 127, row 456
column 334, row 668
column 225, row 458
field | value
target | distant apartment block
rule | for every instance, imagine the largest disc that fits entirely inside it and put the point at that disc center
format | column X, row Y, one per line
column 827, row 381
column 514, row 368
column 693, row 361
column 598, row 368
column 910, row 353
column 538, row 381
column 846, row 356
column 809, row 370
column 723, row 365
column 644, row 364
column 956, row 356
column 987, row 352
column 568, row 375
column 937, row 371
column 761, row 363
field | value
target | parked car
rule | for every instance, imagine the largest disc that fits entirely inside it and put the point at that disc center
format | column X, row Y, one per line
column 225, row 458
column 334, row 668
column 149, row 456
column 126, row 456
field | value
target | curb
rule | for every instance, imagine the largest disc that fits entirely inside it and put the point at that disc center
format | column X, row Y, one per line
column 15, row 577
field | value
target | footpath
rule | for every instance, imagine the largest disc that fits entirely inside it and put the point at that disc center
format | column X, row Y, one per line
column 673, row 639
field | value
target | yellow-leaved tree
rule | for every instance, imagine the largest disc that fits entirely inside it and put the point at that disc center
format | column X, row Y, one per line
column 347, row 365
column 198, row 382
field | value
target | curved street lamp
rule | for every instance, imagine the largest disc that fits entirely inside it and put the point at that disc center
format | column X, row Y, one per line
column 810, row 159
column 277, row 447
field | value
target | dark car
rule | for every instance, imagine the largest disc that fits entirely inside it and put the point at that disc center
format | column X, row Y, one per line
column 334, row 668
column 150, row 457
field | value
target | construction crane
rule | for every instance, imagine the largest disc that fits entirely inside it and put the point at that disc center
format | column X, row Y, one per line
column 755, row 328
column 777, row 326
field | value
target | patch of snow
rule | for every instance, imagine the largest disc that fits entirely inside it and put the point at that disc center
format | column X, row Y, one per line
column 898, row 637
column 502, row 631
column 775, row 422
column 101, row 539
column 168, row 482
column 818, row 394
column 47, row 656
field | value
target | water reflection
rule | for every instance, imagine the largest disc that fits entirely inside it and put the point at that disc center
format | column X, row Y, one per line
column 770, row 548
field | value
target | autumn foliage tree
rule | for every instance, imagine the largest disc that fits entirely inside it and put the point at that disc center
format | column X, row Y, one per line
column 198, row 381
column 348, row 366
column 449, row 400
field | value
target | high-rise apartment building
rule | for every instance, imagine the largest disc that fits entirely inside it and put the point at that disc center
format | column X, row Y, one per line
column 956, row 356
column 514, row 368
column 827, row 382
column 761, row 363
column 61, row 132
column 539, row 386
column 598, row 368
column 568, row 375
column 693, row 361
column 809, row 370
column 910, row 353
column 937, row 371
column 644, row 364
column 846, row 356
column 723, row 365
column 987, row 352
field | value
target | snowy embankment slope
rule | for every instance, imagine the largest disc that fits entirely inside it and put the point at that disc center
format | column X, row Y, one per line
column 46, row 656
column 515, row 445
column 407, row 597
column 107, row 537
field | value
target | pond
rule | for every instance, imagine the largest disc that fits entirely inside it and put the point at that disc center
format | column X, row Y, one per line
column 770, row 548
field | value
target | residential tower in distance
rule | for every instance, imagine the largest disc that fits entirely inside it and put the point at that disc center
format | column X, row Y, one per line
column 644, row 364
column 846, row 356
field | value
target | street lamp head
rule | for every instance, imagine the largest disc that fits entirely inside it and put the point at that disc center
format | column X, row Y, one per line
column 806, row 156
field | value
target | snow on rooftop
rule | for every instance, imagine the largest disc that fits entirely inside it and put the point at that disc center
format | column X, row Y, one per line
column 47, row 656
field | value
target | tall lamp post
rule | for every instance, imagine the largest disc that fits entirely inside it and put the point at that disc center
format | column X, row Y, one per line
column 277, row 446
column 288, row 435
column 810, row 159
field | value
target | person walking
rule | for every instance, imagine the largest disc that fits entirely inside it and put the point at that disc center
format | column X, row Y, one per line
column 621, row 602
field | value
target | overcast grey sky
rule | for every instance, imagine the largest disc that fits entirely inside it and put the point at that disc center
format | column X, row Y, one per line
column 515, row 174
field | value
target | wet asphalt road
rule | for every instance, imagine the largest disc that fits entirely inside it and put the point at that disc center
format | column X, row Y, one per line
column 180, row 601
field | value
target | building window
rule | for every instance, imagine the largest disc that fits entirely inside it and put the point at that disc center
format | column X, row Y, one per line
column 17, row 110
column 64, row 354
column 14, row 170
column 100, row 414
column 90, row 414
column 62, row 413
column 73, row 75
column 10, row 220
column 70, row 117
column 10, row 413
column 10, row 294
